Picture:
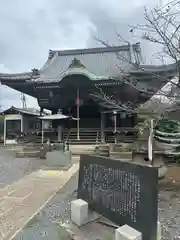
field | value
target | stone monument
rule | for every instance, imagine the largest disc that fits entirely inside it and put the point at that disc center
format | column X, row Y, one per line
column 123, row 192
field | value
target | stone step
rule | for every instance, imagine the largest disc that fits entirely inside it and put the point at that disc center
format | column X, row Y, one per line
column 82, row 139
column 30, row 148
column 82, row 142
column 84, row 132
column 82, row 135
column 31, row 144
column 117, row 149
column 122, row 147
column 31, row 154
column 121, row 155
column 77, row 153
column 82, row 149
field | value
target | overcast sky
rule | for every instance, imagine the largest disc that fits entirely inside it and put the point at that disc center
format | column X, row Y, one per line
column 29, row 29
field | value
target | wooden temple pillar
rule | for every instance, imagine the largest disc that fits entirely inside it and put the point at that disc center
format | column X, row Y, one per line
column 102, row 127
column 115, row 126
column 59, row 129
column 78, row 108
column 42, row 125
column 5, row 130
column 41, row 111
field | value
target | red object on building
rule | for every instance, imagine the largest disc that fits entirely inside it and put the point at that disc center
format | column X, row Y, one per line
column 77, row 101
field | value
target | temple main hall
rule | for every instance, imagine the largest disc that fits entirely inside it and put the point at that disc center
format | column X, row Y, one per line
column 99, row 87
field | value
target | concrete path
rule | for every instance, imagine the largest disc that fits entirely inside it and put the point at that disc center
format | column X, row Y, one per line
column 20, row 201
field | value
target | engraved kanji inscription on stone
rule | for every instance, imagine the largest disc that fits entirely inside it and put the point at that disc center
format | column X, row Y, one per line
column 125, row 193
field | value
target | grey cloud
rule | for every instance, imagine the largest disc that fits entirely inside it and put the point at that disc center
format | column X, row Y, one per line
column 29, row 29
column 10, row 97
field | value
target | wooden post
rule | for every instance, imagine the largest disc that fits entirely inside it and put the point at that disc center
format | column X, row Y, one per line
column 42, row 133
column 150, row 142
column 42, row 130
column 5, row 130
column 41, row 111
column 77, row 104
column 115, row 125
column 102, row 128
column 59, row 138
column 22, row 124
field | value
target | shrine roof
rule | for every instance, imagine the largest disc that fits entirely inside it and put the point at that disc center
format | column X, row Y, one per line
column 101, row 63
column 95, row 63
column 19, row 76
column 27, row 111
column 156, row 68
column 95, row 50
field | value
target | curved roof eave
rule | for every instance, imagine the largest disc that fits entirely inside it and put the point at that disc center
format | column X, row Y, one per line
column 82, row 71
column 74, row 71
column 49, row 62
column 22, row 110
column 54, row 54
column 26, row 76
column 156, row 68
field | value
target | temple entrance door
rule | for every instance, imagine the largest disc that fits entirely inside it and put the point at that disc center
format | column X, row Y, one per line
column 89, row 114
column 89, row 117
column 75, row 101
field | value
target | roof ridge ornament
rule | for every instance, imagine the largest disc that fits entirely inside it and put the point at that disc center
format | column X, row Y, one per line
column 76, row 63
column 35, row 71
column 51, row 54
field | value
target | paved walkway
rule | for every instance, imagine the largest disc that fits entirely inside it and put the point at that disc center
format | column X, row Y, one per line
column 24, row 198
column 13, row 169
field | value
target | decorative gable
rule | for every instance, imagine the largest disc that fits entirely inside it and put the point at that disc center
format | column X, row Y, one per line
column 76, row 64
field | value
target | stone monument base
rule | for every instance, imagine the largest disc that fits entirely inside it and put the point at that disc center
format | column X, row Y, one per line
column 127, row 233
column 80, row 213
column 81, row 216
column 58, row 158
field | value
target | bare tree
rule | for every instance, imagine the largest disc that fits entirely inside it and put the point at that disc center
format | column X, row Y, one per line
column 162, row 27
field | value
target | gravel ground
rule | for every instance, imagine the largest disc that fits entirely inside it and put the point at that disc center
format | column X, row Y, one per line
column 13, row 169
column 46, row 225
column 52, row 221
column 169, row 214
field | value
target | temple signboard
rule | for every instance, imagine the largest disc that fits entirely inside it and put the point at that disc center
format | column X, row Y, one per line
column 125, row 193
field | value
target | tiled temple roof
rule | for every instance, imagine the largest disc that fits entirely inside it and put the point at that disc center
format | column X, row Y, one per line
column 28, row 111
column 20, row 76
column 155, row 68
column 101, row 63
column 97, row 63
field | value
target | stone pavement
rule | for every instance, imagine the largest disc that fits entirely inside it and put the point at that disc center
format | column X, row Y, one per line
column 13, row 169
column 20, row 201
